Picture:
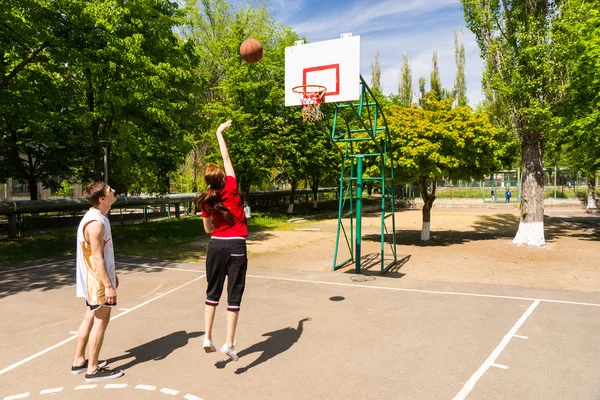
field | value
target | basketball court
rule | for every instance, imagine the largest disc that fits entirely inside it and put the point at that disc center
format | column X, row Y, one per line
column 302, row 335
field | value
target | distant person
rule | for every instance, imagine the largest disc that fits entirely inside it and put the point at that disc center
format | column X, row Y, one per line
column 224, row 219
column 508, row 196
column 493, row 195
column 96, row 281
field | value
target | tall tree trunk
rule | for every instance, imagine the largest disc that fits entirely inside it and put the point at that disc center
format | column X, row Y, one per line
column 292, row 198
column 314, row 185
column 591, row 184
column 531, row 227
column 428, row 199
column 33, row 187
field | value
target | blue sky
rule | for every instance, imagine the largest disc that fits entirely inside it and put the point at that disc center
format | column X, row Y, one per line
column 393, row 27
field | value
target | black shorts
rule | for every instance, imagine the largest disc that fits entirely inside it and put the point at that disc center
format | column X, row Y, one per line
column 226, row 258
column 94, row 307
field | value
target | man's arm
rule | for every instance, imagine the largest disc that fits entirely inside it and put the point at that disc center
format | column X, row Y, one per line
column 208, row 225
column 223, row 147
column 95, row 233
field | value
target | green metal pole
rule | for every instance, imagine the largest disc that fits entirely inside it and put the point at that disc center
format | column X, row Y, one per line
column 359, row 190
column 340, row 205
column 383, row 196
column 121, row 214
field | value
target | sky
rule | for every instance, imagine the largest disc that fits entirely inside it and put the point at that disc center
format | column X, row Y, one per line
column 393, row 27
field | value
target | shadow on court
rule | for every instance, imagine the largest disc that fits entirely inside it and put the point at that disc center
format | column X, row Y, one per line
column 277, row 342
column 487, row 227
column 156, row 350
column 51, row 276
column 370, row 264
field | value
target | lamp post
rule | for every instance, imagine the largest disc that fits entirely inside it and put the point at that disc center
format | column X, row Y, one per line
column 105, row 144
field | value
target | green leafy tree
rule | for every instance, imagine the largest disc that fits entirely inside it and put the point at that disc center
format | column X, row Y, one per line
column 460, row 83
column 250, row 94
column 376, row 74
column 438, row 141
column 516, row 42
column 405, row 94
column 576, row 33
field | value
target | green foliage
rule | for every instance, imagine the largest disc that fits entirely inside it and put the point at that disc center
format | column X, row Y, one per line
column 460, row 84
column 66, row 189
column 440, row 141
column 577, row 33
column 405, row 95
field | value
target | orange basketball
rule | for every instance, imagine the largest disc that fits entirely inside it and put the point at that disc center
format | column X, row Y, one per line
column 251, row 50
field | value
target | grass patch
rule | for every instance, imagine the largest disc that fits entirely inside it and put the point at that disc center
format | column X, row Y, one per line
column 174, row 239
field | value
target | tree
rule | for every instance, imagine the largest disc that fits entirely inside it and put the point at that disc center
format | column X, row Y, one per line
column 422, row 90
column 405, row 94
column 376, row 74
column 434, row 79
column 251, row 94
column 516, row 42
column 440, row 141
column 576, row 33
column 460, row 84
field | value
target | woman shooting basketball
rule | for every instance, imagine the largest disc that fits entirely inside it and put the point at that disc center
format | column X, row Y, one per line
column 224, row 219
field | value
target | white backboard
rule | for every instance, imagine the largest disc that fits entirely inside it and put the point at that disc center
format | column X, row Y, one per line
column 334, row 64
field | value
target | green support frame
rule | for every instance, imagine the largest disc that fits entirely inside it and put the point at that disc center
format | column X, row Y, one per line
column 360, row 131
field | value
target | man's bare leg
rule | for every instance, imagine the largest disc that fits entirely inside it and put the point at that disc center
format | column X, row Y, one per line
column 83, row 334
column 101, row 319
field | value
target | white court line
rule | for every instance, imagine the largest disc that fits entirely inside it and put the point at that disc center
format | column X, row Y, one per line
column 521, row 337
column 53, row 390
column 15, row 365
column 115, row 386
column 36, row 266
column 83, row 387
column 146, row 387
column 155, row 298
column 17, row 396
column 154, row 267
column 500, row 366
column 490, row 360
column 428, row 291
column 192, row 397
column 172, row 392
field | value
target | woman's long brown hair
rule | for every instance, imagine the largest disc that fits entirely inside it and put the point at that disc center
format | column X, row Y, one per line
column 214, row 176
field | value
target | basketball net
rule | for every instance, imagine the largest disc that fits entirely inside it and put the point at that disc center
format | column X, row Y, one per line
column 311, row 97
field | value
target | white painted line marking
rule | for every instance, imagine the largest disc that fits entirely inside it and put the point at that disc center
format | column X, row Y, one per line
column 192, row 397
column 123, row 309
column 172, row 392
column 73, row 333
column 115, row 386
column 17, row 396
column 155, row 298
column 157, row 267
column 520, row 337
column 428, row 291
column 490, row 360
column 500, row 366
column 145, row 387
column 83, row 387
column 53, row 390
column 37, row 266
column 15, row 365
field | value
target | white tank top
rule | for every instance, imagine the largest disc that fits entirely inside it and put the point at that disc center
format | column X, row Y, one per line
column 89, row 284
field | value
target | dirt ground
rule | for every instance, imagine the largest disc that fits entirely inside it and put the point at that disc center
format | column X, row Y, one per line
column 467, row 246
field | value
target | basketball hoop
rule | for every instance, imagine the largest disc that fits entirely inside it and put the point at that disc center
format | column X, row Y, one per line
column 311, row 97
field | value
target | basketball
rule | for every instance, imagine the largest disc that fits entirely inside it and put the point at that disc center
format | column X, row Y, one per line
column 251, row 50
